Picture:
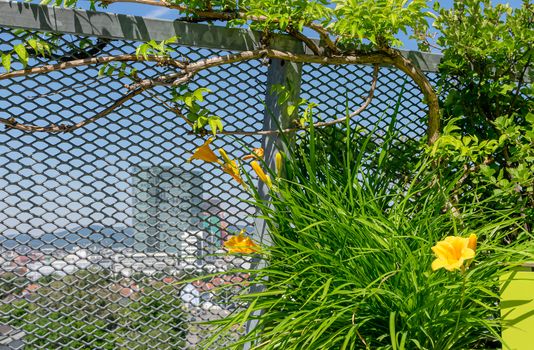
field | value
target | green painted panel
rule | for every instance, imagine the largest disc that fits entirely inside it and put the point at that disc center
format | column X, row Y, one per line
column 517, row 310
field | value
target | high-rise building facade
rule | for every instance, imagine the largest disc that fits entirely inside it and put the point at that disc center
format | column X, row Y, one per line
column 166, row 206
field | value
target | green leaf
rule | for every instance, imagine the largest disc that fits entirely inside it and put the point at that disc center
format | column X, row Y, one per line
column 141, row 50
column 171, row 40
column 6, row 61
column 392, row 332
column 188, row 100
column 110, row 70
column 197, row 94
column 291, row 109
column 102, row 70
column 122, row 70
column 22, row 54
column 32, row 43
column 215, row 124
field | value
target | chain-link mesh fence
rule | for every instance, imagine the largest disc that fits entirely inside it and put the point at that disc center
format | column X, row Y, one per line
column 98, row 226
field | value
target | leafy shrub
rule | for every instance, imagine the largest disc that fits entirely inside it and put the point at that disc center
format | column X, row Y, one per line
column 487, row 86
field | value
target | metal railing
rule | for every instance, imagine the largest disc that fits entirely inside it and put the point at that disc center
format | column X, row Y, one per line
column 98, row 225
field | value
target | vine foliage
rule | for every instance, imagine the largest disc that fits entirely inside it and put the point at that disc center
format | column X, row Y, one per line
column 350, row 32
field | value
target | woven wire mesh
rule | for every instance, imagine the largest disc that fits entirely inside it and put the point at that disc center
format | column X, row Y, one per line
column 98, row 225
column 340, row 90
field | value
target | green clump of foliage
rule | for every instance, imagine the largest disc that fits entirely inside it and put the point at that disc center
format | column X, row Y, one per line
column 350, row 261
column 86, row 311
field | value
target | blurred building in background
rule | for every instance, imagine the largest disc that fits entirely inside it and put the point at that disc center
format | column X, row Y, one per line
column 166, row 204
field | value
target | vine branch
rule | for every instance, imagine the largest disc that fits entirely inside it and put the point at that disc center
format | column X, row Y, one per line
column 89, row 61
column 11, row 123
column 186, row 72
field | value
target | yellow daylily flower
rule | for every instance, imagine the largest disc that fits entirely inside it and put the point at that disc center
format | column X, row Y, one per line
column 233, row 170
column 261, row 174
column 278, row 163
column 257, row 153
column 241, row 244
column 230, row 167
column 205, row 153
column 452, row 252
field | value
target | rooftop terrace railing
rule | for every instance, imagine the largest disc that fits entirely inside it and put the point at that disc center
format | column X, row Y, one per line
column 98, row 225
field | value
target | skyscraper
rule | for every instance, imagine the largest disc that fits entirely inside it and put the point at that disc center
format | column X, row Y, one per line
column 166, row 201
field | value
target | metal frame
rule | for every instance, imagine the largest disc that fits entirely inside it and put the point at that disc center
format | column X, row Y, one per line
column 134, row 28
column 125, row 27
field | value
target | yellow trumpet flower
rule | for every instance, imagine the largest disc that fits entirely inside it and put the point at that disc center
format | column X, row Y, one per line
column 205, row 153
column 452, row 252
column 257, row 153
column 261, row 174
column 241, row 244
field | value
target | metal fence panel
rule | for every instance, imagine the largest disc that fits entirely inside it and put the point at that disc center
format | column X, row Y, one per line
column 98, row 225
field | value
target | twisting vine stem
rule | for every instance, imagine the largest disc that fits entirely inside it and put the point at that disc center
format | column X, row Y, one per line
column 185, row 71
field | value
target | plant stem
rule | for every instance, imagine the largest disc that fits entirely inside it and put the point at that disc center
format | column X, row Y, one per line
column 462, row 299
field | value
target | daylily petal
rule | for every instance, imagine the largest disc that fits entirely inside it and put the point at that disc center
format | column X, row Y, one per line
column 205, row 153
column 453, row 265
column 468, row 253
column 442, row 250
column 445, row 249
column 257, row 153
column 459, row 244
column 472, row 242
column 232, row 169
column 438, row 264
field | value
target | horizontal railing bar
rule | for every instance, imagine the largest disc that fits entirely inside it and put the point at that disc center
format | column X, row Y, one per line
column 125, row 27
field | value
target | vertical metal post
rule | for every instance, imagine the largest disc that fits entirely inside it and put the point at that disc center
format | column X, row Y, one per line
column 287, row 74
